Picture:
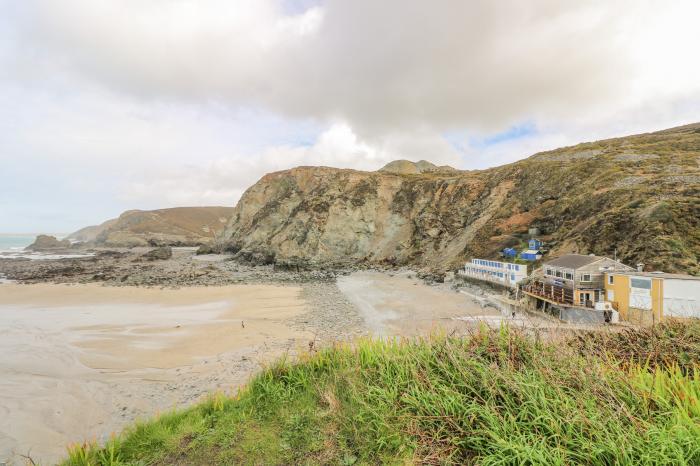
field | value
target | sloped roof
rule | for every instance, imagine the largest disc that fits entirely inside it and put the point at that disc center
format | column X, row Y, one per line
column 573, row 261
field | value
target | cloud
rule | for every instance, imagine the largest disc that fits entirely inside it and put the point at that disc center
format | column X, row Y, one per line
column 117, row 104
column 222, row 181
column 382, row 66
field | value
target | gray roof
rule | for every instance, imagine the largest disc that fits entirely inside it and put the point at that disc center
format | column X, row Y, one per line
column 678, row 276
column 573, row 261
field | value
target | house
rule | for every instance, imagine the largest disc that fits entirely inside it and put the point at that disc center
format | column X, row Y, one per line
column 534, row 244
column 575, row 279
column 531, row 255
column 650, row 297
column 503, row 273
column 510, row 252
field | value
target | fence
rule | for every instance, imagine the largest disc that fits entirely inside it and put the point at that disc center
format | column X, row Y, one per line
column 554, row 293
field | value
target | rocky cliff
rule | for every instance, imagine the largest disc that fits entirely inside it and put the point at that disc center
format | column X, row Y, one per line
column 637, row 195
column 179, row 226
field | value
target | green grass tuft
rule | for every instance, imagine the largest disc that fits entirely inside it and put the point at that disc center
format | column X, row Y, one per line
column 496, row 398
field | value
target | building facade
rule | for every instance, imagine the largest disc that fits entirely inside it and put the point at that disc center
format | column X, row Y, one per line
column 575, row 279
column 504, row 273
column 646, row 298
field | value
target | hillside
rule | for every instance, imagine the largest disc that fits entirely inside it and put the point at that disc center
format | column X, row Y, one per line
column 497, row 397
column 639, row 195
column 178, row 226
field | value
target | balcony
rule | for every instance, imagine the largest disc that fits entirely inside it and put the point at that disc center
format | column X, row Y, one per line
column 555, row 294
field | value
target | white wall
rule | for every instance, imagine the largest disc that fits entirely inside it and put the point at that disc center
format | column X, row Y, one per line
column 681, row 298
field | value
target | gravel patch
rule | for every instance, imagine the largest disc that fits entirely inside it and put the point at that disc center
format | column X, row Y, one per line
column 330, row 316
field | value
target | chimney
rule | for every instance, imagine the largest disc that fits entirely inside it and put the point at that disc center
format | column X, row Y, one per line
column 640, row 267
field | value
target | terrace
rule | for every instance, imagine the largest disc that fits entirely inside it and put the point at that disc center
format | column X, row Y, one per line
column 555, row 294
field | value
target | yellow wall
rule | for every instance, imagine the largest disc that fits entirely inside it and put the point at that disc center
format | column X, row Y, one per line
column 621, row 289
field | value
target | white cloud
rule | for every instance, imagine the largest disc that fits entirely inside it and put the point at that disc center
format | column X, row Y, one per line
column 223, row 180
column 166, row 102
column 383, row 66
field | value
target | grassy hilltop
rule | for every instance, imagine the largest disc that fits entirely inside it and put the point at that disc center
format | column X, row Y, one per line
column 496, row 398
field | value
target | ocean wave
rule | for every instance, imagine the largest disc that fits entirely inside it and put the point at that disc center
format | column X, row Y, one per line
column 20, row 253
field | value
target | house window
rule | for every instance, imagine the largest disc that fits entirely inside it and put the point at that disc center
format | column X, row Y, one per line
column 559, row 273
column 641, row 283
column 569, row 276
column 586, row 277
column 611, row 279
column 549, row 271
column 512, row 276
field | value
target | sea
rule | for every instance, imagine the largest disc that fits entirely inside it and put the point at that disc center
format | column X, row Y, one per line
column 12, row 247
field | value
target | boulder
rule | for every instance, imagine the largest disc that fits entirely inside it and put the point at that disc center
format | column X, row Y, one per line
column 207, row 249
column 160, row 253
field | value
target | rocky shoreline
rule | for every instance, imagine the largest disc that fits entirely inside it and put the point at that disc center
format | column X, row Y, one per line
column 140, row 267
column 330, row 315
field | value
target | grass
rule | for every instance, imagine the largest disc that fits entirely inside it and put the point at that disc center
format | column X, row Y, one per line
column 496, row 398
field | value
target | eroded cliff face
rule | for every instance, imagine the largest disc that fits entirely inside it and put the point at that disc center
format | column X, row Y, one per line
column 638, row 195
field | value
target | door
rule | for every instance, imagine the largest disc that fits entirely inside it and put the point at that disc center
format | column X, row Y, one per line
column 584, row 296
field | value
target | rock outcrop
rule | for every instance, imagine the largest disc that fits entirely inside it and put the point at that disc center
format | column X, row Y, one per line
column 406, row 167
column 178, row 226
column 47, row 243
column 436, row 217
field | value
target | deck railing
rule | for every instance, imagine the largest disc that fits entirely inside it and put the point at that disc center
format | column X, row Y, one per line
column 557, row 294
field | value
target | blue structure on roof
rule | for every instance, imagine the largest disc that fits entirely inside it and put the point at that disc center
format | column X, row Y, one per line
column 510, row 252
column 534, row 244
column 531, row 255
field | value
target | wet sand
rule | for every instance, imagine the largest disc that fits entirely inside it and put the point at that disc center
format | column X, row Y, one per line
column 401, row 304
column 81, row 361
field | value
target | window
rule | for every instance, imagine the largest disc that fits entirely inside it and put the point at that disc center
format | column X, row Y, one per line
column 549, row 272
column 559, row 273
column 640, row 293
column 569, row 276
column 611, row 279
column 641, row 283
column 586, row 277
column 512, row 277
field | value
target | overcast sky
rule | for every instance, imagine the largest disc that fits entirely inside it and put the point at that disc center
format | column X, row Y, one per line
column 108, row 105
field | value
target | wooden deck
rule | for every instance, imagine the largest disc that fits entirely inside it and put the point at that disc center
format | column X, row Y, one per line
column 556, row 295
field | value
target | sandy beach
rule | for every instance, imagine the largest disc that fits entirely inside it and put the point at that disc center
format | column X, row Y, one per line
column 401, row 304
column 81, row 361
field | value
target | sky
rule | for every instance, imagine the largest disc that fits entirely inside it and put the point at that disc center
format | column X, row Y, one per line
column 109, row 105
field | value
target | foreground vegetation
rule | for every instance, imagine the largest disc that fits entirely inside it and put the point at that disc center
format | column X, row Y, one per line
column 496, row 398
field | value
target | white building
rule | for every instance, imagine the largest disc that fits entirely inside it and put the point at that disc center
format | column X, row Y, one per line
column 503, row 273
